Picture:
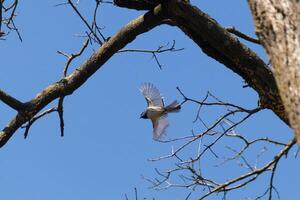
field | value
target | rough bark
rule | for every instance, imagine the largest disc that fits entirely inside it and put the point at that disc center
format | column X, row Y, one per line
column 278, row 28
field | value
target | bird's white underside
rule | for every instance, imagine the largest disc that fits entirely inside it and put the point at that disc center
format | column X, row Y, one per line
column 154, row 112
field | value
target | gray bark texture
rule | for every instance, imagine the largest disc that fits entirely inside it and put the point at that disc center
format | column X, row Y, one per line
column 278, row 28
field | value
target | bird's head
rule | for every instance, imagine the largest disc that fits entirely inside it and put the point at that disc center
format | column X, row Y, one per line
column 144, row 115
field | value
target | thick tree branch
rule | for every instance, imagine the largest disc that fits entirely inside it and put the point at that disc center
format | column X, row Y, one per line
column 219, row 44
column 69, row 84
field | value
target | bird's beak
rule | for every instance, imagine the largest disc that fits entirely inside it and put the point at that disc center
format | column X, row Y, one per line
column 143, row 115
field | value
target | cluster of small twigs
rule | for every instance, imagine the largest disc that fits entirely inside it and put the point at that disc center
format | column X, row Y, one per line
column 160, row 49
column 187, row 171
column 8, row 13
column 94, row 31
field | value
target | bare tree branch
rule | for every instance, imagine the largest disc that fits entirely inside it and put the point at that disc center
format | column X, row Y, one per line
column 72, row 56
column 191, row 175
column 160, row 49
column 60, row 110
column 68, row 85
column 36, row 117
column 219, row 44
column 85, row 22
column 1, row 5
column 95, row 27
column 11, row 101
column 254, row 174
column 8, row 18
column 242, row 35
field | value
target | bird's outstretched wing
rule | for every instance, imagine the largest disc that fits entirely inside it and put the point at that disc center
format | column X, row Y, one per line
column 159, row 127
column 152, row 95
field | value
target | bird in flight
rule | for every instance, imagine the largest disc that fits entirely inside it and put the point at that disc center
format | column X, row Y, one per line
column 156, row 111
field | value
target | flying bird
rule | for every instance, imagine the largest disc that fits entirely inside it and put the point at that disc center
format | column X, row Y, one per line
column 156, row 111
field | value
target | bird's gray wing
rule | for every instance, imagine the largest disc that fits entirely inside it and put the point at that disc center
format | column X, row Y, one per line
column 159, row 127
column 152, row 95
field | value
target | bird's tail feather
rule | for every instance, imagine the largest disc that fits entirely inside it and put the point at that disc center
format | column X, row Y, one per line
column 173, row 107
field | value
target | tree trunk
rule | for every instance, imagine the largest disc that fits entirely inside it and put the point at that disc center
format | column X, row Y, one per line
column 278, row 28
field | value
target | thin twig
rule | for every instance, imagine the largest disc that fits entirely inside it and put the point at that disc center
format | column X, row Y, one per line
column 242, row 35
column 36, row 117
column 8, row 19
column 72, row 56
column 136, row 194
column 94, row 24
column 60, row 110
column 85, row 22
column 160, row 49
column 1, row 5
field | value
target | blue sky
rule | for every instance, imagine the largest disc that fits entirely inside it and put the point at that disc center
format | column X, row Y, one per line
column 106, row 147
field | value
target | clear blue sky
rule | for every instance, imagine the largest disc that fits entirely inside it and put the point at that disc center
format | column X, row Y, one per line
column 106, row 146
